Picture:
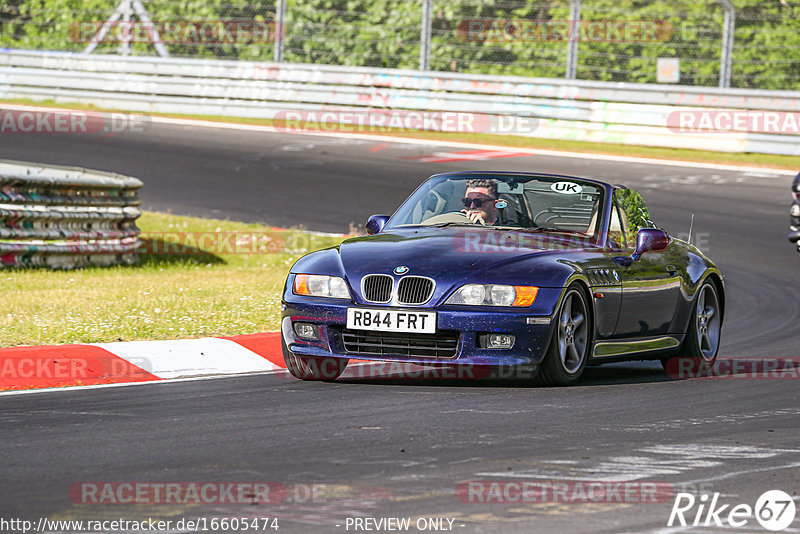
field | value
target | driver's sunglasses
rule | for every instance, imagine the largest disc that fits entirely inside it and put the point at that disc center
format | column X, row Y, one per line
column 477, row 202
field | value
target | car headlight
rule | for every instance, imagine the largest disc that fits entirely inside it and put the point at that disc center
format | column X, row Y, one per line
column 318, row 285
column 494, row 295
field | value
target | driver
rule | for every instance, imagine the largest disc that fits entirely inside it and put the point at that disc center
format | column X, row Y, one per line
column 480, row 200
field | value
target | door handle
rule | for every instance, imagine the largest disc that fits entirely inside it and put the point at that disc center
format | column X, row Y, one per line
column 671, row 269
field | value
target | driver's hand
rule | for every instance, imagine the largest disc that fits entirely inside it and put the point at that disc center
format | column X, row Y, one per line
column 476, row 217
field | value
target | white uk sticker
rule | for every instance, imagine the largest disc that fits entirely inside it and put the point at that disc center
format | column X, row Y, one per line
column 566, row 188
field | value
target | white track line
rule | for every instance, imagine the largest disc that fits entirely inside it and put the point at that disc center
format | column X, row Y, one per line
column 130, row 384
column 277, row 370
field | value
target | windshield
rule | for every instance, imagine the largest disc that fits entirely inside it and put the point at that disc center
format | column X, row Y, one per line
column 544, row 203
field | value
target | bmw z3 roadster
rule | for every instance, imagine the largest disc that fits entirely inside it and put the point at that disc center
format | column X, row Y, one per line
column 504, row 270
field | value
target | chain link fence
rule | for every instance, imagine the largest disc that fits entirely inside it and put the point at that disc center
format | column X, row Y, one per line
column 675, row 41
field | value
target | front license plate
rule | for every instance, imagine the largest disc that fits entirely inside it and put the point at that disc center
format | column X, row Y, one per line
column 391, row 320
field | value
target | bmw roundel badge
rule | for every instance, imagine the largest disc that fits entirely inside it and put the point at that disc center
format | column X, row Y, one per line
column 400, row 270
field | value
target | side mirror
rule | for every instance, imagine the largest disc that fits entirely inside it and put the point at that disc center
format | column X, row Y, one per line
column 375, row 223
column 650, row 240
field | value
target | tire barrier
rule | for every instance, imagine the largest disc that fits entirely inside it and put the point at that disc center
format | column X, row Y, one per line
column 66, row 217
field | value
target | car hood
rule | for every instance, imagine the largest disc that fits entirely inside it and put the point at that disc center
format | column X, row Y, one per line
column 450, row 256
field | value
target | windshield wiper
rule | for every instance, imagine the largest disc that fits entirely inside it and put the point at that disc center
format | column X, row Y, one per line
column 536, row 229
column 539, row 229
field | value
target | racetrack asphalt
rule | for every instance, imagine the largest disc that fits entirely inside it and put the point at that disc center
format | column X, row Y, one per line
column 417, row 440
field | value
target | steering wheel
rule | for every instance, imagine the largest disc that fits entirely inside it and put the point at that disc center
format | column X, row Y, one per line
column 452, row 217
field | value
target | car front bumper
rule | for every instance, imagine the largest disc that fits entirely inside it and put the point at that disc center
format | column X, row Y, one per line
column 531, row 327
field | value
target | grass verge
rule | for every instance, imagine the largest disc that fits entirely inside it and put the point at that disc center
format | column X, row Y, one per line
column 199, row 277
column 675, row 154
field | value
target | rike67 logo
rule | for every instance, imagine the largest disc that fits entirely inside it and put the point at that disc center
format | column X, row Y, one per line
column 774, row 510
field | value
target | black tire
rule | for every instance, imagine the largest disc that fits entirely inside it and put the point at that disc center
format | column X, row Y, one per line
column 569, row 349
column 313, row 367
column 701, row 344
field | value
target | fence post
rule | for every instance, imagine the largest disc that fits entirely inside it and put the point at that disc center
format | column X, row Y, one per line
column 425, row 36
column 280, row 29
column 572, row 42
column 726, row 60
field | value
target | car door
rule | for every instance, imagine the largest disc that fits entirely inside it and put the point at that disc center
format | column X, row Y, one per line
column 651, row 284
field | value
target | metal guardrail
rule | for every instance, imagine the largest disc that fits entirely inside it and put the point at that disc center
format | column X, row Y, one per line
column 65, row 217
column 634, row 114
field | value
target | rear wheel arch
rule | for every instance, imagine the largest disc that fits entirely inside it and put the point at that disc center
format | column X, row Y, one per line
column 717, row 281
column 704, row 331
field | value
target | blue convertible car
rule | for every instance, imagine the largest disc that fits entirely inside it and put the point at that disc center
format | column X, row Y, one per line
column 504, row 270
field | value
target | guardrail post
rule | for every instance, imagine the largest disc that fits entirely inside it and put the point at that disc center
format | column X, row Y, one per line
column 425, row 36
column 572, row 42
column 280, row 29
column 726, row 60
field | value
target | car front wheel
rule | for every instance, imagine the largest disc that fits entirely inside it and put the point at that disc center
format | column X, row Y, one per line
column 569, row 349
